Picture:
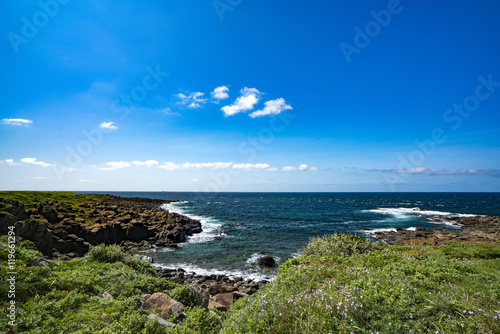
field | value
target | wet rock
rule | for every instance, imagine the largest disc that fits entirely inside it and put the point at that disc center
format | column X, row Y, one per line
column 266, row 261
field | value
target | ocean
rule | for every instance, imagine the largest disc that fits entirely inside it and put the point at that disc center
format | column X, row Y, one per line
column 238, row 228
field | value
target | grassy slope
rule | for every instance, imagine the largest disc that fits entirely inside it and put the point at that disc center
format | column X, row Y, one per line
column 65, row 298
column 378, row 289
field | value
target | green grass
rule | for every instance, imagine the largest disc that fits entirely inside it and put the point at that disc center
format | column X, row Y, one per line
column 64, row 298
column 31, row 198
column 386, row 289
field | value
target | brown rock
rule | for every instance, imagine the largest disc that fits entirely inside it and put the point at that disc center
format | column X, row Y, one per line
column 165, row 305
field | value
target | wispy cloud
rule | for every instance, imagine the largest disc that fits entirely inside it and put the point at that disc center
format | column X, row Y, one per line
column 220, row 93
column 108, row 125
column 116, row 165
column 147, row 163
column 213, row 165
column 272, row 107
column 169, row 165
column 17, row 121
column 9, row 162
column 246, row 101
column 428, row 171
column 34, row 161
column 192, row 101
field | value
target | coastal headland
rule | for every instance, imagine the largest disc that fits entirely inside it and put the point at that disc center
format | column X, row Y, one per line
column 73, row 264
column 65, row 225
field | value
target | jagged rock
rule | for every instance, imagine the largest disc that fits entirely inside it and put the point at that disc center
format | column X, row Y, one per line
column 37, row 232
column 227, row 299
column 202, row 295
column 220, row 288
column 218, row 306
column 6, row 220
column 165, row 306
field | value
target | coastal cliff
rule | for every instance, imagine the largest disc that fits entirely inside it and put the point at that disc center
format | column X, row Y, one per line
column 65, row 225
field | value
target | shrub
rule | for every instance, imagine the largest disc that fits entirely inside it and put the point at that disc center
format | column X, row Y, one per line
column 114, row 253
column 185, row 295
column 199, row 321
column 338, row 244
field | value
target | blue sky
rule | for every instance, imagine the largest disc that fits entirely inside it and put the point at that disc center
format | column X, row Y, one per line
column 237, row 95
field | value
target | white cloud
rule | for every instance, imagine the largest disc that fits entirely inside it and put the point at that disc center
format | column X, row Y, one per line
column 195, row 180
column 169, row 166
column 34, row 161
column 252, row 167
column 10, row 162
column 87, row 181
column 16, row 121
column 116, row 165
column 273, row 107
column 213, row 165
column 192, row 100
column 427, row 171
column 108, row 125
column 302, row 167
column 220, row 93
column 245, row 102
column 147, row 163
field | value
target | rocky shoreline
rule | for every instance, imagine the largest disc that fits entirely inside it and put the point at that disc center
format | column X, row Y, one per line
column 476, row 229
column 63, row 231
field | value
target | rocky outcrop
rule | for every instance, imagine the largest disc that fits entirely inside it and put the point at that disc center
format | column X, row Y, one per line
column 478, row 229
column 38, row 232
column 207, row 287
column 68, row 231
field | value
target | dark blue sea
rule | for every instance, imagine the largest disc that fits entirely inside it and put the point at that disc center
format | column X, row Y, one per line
column 238, row 228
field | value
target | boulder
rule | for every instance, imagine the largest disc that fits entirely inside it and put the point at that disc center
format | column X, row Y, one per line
column 227, row 299
column 161, row 321
column 266, row 261
column 202, row 295
column 220, row 288
column 165, row 306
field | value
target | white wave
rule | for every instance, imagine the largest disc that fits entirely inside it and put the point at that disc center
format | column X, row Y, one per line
column 255, row 256
column 446, row 222
column 416, row 211
column 245, row 274
column 211, row 228
column 376, row 230
column 411, row 228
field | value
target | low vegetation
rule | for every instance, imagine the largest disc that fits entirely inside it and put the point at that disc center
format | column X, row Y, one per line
column 344, row 285
column 67, row 296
